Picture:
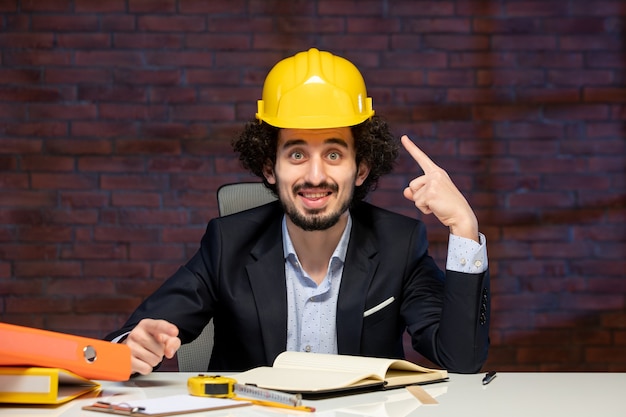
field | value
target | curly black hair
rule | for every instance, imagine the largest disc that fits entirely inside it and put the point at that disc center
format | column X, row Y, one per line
column 375, row 145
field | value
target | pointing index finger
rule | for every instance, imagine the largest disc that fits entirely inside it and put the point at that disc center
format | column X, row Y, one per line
column 420, row 157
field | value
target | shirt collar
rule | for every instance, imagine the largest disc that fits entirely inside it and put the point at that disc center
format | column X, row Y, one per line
column 339, row 252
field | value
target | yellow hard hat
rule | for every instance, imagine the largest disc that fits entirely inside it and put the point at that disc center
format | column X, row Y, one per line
column 314, row 90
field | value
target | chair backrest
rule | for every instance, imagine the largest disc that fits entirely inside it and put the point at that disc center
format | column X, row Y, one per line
column 231, row 198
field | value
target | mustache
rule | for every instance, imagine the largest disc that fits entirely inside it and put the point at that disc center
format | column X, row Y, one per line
column 299, row 187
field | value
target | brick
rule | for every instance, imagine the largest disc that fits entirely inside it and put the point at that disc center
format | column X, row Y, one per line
column 229, row 41
column 112, row 58
column 173, row 23
column 116, row 269
column 27, row 198
column 18, row 288
column 155, row 252
column 530, row 131
column 506, row 112
column 478, row 95
column 551, row 59
column 599, row 267
column 90, row 6
column 68, row 23
column 491, row 59
column 47, row 163
column 26, row 40
column 523, row 42
column 509, row 77
column 420, row 60
column 155, row 217
column 118, row 23
column 150, row 6
column 83, row 199
column 604, row 60
column 103, row 129
column 589, row 43
column 175, row 131
column 37, row 305
column 11, row 180
column 216, row 7
column 124, row 234
column 182, row 58
column 144, row 40
column 133, row 112
column 136, row 200
column 78, row 147
column 441, row 112
column 509, row 25
column 8, row 6
column 85, row 41
column 421, row 8
column 55, row 269
column 63, row 181
column 605, row 95
column 240, row 23
column 191, row 235
column 81, row 287
column 446, row 78
column 48, row 6
column 95, row 251
column 608, row 354
column 116, row 94
column 165, row 164
column 30, row 94
column 210, row 112
column 62, row 112
column 76, row 76
column 132, row 182
column 102, row 304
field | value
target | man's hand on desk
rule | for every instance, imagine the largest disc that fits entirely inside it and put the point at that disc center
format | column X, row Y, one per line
column 149, row 342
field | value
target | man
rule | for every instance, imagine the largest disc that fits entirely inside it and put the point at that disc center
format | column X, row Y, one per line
column 320, row 270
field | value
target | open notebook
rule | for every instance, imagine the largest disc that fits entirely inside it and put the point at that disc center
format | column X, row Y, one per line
column 320, row 375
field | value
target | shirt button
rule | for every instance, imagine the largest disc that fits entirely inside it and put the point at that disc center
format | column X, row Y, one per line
column 463, row 261
column 477, row 264
column 307, row 348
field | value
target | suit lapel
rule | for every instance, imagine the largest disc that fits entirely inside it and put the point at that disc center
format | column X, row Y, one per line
column 358, row 272
column 267, row 279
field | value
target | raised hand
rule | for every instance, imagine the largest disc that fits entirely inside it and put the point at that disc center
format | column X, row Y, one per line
column 434, row 192
column 149, row 342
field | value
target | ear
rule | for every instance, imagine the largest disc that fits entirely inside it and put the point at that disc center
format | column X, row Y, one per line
column 268, row 173
column 362, row 173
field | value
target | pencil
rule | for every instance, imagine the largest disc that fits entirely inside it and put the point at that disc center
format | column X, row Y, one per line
column 275, row 404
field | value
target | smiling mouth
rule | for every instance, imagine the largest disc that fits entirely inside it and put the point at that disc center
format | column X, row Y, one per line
column 316, row 195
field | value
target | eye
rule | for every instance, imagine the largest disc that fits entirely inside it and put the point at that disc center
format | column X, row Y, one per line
column 297, row 155
column 334, row 156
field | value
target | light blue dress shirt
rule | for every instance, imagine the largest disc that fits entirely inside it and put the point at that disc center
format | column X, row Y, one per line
column 312, row 309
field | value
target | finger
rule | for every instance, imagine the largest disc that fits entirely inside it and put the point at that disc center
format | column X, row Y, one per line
column 139, row 366
column 418, row 155
column 172, row 344
column 158, row 327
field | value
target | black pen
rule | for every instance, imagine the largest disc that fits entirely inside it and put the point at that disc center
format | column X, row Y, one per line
column 489, row 377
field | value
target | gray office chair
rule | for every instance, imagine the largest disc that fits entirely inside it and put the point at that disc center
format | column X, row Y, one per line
column 231, row 198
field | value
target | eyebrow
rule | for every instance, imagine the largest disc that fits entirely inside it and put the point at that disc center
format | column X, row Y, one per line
column 329, row 141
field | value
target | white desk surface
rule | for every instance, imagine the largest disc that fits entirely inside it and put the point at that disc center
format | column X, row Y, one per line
column 508, row 395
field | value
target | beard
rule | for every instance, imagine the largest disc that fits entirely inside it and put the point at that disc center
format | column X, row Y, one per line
column 313, row 220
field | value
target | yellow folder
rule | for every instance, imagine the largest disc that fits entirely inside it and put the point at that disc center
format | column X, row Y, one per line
column 35, row 385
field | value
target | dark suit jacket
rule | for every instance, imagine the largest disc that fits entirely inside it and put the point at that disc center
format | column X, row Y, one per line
column 238, row 278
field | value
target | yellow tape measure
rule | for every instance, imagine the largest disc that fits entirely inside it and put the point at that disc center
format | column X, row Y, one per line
column 211, row 386
column 225, row 387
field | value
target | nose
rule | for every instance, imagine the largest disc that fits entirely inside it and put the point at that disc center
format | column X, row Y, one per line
column 316, row 172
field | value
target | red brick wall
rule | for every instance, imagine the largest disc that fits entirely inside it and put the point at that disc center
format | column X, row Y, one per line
column 116, row 117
